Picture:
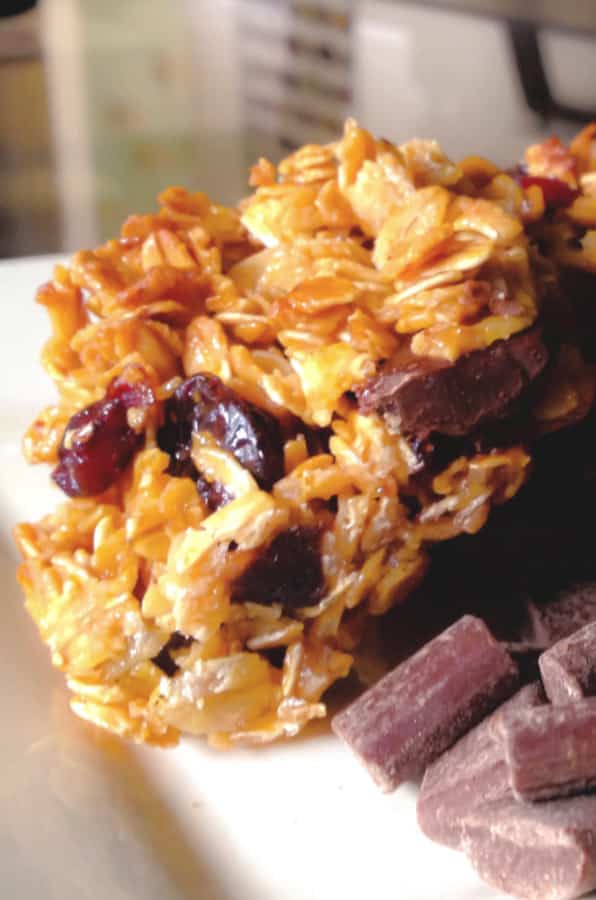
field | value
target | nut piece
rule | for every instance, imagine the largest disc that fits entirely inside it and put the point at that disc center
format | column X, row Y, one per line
column 418, row 710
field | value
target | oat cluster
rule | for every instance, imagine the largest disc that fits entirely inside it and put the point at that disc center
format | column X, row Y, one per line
column 181, row 588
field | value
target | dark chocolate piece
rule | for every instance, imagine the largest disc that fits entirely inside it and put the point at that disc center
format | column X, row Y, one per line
column 419, row 709
column 540, row 851
column 568, row 669
column 559, row 617
column 471, row 773
column 550, row 749
column 428, row 395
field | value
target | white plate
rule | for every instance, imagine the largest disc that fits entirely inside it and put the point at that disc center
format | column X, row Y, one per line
column 85, row 817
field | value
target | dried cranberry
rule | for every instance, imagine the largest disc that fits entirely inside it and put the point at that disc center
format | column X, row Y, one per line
column 98, row 442
column 289, row 572
column 164, row 659
column 204, row 403
column 556, row 193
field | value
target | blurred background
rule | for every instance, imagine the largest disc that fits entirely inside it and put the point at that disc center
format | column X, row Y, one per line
column 105, row 102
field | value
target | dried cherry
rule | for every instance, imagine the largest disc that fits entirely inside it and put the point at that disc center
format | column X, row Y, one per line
column 289, row 572
column 98, row 442
column 204, row 403
column 556, row 193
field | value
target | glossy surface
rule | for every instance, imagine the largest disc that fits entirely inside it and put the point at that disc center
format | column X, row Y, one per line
column 203, row 403
column 85, row 816
column 98, row 442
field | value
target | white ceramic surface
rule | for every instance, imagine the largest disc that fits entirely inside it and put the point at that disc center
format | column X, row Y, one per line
column 85, row 817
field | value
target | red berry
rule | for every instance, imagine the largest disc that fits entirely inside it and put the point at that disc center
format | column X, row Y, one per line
column 204, row 403
column 98, row 442
column 289, row 572
column 556, row 193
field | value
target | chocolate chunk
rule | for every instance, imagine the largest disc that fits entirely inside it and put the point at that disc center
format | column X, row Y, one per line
column 559, row 617
column 470, row 774
column 426, row 395
column 419, row 709
column 541, row 851
column 568, row 669
column 550, row 749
